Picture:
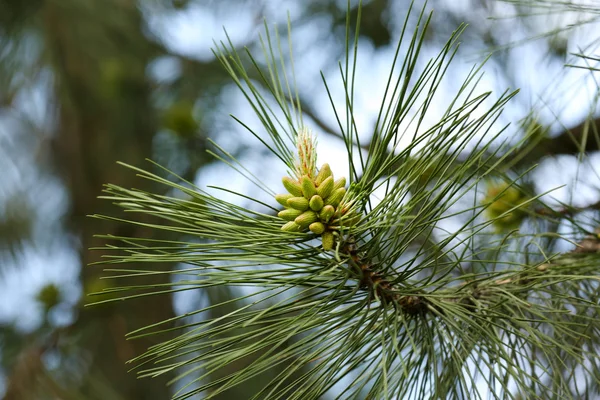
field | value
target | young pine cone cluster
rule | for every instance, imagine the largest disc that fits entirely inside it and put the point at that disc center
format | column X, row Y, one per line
column 317, row 205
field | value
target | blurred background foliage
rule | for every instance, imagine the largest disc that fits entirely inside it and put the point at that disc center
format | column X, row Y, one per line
column 86, row 83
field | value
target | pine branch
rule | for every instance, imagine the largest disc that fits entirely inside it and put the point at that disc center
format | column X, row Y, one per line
column 334, row 286
column 466, row 294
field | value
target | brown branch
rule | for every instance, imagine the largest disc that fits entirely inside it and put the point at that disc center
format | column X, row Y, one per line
column 578, row 139
column 325, row 127
column 566, row 211
column 582, row 138
column 381, row 289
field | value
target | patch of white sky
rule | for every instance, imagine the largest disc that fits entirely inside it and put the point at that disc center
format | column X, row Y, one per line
column 563, row 96
column 36, row 267
column 191, row 33
column 571, row 182
column 558, row 93
column 164, row 69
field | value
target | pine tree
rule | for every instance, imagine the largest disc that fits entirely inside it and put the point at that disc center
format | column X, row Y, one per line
column 356, row 287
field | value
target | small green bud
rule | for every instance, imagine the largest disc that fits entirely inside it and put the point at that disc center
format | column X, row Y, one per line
column 503, row 198
column 316, row 203
column 340, row 183
column 543, row 267
column 317, row 227
column 290, row 227
column 292, row 186
column 179, row 118
column 326, row 213
column 298, row 203
column 327, row 240
column 283, row 198
column 289, row 214
column 336, row 197
column 306, row 218
column 326, row 187
column 324, row 173
column 49, row 296
column 308, row 187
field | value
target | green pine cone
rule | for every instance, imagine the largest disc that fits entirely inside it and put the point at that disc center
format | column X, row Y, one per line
column 292, row 186
column 340, row 183
column 328, row 240
column 326, row 213
column 306, row 218
column 290, row 227
column 298, row 203
column 316, row 203
column 324, row 173
column 289, row 214
column 336, row 197
column 283, row 198
column 317, row 227
column 326, row 187
column 308, row 187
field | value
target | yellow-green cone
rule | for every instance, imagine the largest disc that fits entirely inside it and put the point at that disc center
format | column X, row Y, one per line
column 336, row 197
column 283, row 198
column 317, row 227
column 326, row 213
column 326, row 187
column 340, row 183
column 316, row 203
column 314, row 199
column 327, row 239
column 308, row 187
column 324, row 173
column 306, row 218
column 289, row 214
column 298, row 203
column 292, row 186
column 290, row 227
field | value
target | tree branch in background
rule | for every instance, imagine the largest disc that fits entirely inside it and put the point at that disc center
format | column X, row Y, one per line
column 567, row 210
column 582, row 138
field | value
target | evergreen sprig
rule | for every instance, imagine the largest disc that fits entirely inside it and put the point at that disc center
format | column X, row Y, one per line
column 399, row 307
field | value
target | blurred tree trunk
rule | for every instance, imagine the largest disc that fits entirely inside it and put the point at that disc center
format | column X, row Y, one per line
column 105, row 116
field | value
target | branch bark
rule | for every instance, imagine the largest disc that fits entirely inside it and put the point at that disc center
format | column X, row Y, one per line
column 582, row 138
